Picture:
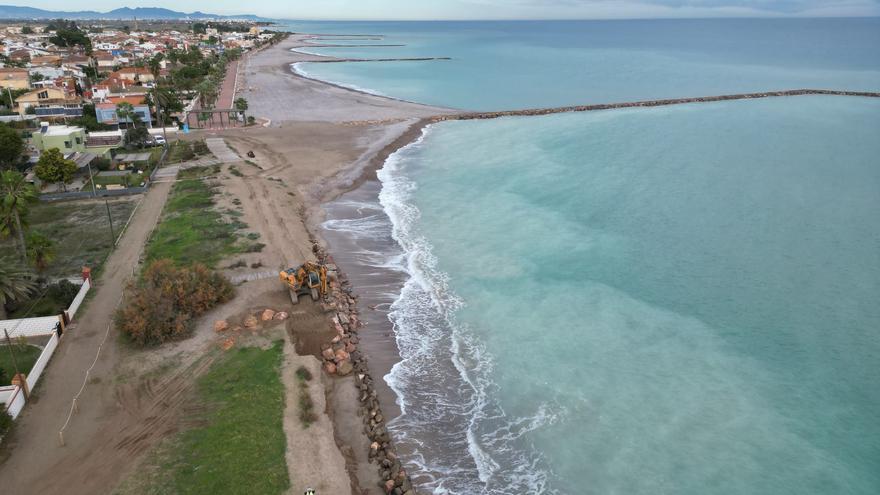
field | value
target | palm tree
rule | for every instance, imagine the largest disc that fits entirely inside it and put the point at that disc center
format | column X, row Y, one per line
column 208, row 92
column 15, row 195
column 40, row 251
column 163, row 98
column 124, row 111
column 15, row 283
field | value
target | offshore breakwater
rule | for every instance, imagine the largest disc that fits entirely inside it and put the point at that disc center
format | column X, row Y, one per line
column 652, row 103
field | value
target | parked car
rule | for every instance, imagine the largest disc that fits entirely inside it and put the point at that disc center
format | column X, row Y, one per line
column 159, row 140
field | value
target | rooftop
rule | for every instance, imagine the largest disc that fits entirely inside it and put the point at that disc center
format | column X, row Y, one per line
column 59, row 130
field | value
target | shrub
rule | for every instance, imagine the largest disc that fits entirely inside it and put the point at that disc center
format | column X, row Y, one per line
column 5, row 420
column 162, row 304
column 200, row 147
column 303, row 373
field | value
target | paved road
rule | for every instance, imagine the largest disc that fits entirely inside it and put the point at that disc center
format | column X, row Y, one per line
column 227, row 90
column 88, row 462
column 220, row 150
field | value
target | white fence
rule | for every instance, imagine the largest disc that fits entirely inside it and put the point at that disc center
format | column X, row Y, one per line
column 29, row 327
column 13, row 396
column 71, row 311
column 42, row 361
column 15, row 402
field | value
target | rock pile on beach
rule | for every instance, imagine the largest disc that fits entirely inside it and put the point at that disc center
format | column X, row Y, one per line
column 341, row 357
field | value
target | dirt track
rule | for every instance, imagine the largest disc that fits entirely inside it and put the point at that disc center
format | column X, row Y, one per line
column 115, row 421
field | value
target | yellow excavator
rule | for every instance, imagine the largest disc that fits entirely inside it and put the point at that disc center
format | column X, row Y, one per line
column 308, row 278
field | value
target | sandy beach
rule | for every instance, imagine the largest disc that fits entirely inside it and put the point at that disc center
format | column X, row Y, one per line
column 319, row 141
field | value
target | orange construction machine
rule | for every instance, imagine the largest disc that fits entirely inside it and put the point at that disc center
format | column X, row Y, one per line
column 308, row 278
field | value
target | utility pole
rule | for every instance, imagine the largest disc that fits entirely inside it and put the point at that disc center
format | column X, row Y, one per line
column 92, row 180
column 11, row 354
column 110, row 219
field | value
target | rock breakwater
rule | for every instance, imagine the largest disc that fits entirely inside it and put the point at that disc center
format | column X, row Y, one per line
column 341, row 357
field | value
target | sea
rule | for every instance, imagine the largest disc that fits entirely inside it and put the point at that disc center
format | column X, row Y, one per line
column 668, row 300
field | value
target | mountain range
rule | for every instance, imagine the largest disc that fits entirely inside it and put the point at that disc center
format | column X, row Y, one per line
column 16, row 12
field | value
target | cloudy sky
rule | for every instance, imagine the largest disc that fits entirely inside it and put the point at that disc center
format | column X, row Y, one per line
column 489, row 9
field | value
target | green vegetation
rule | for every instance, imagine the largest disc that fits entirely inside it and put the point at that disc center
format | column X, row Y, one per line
column 239, row 449
column 242, row 448
column 16, row 195
column 191, row 230
column 182, row 151
column 53, row 168
column 11, row 146
column 16, row 283
column 306, row 405
column 55, row 299
column 25, row 357
column 200, row 173
column 81, row 227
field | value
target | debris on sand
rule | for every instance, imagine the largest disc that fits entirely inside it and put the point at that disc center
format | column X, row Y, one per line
column 221, row 326
column 267, row 314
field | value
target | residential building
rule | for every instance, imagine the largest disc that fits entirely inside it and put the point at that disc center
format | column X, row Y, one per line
column 50, row 102
column 134, row 75
column 68, row 139
column 75, row 140
column 106, row 111
column 14, row 78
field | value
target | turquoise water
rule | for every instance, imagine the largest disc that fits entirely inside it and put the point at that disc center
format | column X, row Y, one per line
column 672, row 300
column 505, row 65
column 677, row 300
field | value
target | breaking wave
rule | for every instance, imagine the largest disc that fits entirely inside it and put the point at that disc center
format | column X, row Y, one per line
column 451, row 426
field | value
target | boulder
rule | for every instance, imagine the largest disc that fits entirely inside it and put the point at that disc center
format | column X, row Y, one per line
column 341, row 355
column 328, row 354
column 267, row 314
column 228, row 343
column 344, row 368
column 250, row 322
column 349, row 347
column 281, row 315
column 389, row 486
column 330, row 368
column 221, row 326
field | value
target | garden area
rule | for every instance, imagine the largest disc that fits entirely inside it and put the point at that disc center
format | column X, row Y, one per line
column 240, row 437
column 25, row 356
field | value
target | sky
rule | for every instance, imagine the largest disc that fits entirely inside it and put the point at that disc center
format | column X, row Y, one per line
column 488, row 9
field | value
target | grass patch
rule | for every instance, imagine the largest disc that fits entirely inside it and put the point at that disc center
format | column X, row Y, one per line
column 191, row 229
column 198, row 172
column 240, row 447
column 80, row 230
column 25, row 356
column 235, row 171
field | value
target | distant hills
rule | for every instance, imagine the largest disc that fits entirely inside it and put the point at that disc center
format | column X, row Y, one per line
column 15, row 12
